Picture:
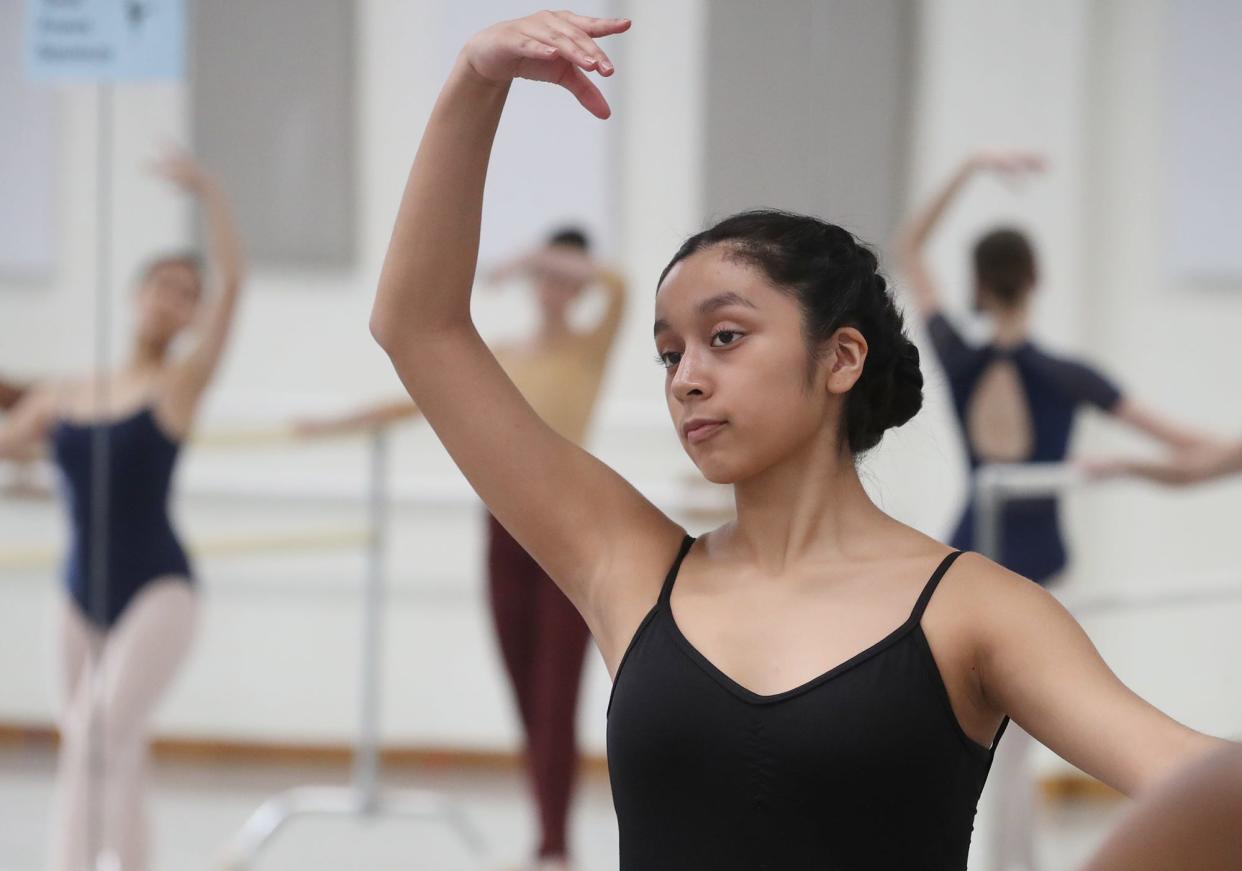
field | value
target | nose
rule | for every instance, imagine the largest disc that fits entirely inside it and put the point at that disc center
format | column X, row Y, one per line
column 690, row 378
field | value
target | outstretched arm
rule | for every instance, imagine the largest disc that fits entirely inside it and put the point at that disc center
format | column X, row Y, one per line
column 1036, row 664
column 10, row 393
column 1205, row 461
column 26, row 425
column 597, row 537
column 370, row 417
column 1172, row 433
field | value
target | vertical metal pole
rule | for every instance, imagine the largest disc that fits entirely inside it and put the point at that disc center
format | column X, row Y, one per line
column 989, row 502
column 97, row 544
column 366, row 756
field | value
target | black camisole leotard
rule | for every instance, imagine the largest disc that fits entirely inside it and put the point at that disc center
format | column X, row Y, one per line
column 861, row 769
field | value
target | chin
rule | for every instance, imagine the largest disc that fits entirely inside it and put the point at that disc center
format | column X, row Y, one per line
column 719, row 471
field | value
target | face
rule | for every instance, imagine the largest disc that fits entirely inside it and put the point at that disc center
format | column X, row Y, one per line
column 987, row 303
column 740, row 386
column 167, row 301
column 556, row 292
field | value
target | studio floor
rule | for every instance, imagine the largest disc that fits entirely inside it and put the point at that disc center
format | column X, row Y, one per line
column 197, row 806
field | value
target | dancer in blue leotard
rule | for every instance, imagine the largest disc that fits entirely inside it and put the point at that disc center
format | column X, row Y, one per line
column 129, row 612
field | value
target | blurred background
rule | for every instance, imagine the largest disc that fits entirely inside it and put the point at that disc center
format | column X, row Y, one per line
column 308, row 112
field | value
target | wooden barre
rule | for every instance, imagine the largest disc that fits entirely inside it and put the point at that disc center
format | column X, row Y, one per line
column 223, row 546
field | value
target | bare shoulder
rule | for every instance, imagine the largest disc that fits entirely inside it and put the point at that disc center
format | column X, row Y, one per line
column 630, row 587
column 983, row 586
column 979, row 601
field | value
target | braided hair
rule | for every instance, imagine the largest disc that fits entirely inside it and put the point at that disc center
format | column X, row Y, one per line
column 835, row 280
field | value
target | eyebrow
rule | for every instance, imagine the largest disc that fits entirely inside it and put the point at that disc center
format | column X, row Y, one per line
column 709, row 305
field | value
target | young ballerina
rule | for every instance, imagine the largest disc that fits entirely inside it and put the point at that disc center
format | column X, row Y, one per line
column 796, row 688
column 542, row 637
column 1015, row 402
column 124, row 636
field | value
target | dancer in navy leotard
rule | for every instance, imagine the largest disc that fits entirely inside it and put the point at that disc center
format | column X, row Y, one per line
column 129, row 609
column 1053, row 390
column 1015, row 402
column 140, row 543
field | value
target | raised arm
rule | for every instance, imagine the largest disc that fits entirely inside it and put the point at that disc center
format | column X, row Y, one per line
column 912, row 240
column 605, row 330
column 195, row 371
column 581, row 269
column 597, row 537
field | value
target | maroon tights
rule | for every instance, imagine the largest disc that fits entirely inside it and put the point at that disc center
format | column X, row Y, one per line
column 543, row 641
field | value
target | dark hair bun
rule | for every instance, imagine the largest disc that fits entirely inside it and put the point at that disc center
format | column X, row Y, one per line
column 837, row 282
column 890, row 391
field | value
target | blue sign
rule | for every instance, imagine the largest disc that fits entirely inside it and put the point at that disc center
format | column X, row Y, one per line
column 105, row 40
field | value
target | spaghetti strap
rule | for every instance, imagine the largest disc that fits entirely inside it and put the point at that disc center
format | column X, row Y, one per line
column 667, row 589
column 921, row 605
column 996, row 739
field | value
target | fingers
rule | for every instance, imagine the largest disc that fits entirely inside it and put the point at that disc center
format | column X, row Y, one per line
column 536, row 49
column 571, row 43
column 559, row 47
column 584, row 89
column 566, row 27
column 1024, row 160
column 596, row 26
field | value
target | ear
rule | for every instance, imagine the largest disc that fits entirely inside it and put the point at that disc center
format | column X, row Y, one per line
column 847, row 352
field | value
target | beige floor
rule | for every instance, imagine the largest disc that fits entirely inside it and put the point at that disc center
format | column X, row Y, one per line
column 197, row 807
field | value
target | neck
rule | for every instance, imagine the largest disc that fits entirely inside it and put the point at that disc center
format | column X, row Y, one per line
column 1012, row 326
column 811, row 504
column 554, row 328
column 146, row 356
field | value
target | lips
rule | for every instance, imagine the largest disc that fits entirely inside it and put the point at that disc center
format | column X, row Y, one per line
column 699, row 429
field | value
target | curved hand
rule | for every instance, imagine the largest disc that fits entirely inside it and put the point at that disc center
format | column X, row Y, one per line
column 553, row 47
column 180, row 169
column 1009, row 162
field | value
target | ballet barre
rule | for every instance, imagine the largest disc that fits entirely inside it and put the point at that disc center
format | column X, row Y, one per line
column 996, row 484
column 363, row 798
column 45, row 557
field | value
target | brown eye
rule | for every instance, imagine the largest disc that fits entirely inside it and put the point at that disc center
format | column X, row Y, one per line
column 731, row 334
